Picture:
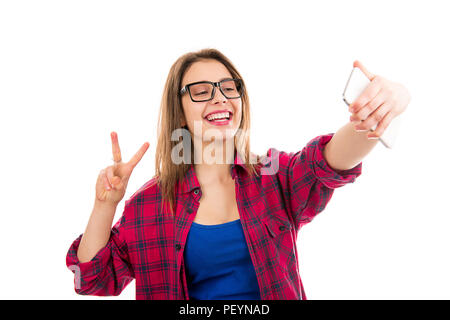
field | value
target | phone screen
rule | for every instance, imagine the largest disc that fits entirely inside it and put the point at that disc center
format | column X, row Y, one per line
column 356, row 84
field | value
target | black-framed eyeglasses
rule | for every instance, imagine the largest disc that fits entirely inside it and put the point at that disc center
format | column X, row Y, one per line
column 204, row 90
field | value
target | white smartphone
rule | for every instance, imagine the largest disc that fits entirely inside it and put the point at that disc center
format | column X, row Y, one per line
column 356, row 83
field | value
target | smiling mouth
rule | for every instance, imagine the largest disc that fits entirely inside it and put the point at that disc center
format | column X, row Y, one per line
column 223, row 118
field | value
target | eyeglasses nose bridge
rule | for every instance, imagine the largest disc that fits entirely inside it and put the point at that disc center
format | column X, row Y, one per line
column 217, row 84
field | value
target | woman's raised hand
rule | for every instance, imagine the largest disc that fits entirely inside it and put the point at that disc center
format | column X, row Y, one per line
column 113, row 180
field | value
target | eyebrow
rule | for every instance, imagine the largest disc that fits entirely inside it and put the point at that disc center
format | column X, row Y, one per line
column 212, row 81
column 217, row 81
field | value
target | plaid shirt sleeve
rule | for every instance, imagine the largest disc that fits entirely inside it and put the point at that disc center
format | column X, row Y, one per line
column 308, row 182
column 109, row 271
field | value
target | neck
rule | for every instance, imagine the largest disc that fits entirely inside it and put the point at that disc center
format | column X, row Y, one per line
column 213, row 162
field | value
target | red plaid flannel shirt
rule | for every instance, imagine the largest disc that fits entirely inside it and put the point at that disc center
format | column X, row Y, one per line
column 147, row 244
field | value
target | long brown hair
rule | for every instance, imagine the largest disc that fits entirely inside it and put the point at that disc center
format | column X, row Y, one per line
column 170, row 118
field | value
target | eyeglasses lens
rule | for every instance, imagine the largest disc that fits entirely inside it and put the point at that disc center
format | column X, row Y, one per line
column 203, row 91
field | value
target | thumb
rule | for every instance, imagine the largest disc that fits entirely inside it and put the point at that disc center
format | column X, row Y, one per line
column 358, row 64
column 116, row 181
column 119, row 185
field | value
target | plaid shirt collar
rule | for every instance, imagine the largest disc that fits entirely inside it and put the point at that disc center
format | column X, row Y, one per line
column 190, row 181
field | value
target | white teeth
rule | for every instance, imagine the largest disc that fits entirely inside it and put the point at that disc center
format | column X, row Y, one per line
column 219, row 116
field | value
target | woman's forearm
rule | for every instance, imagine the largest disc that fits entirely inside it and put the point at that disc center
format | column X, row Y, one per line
column 97, row 231
column 347, row 148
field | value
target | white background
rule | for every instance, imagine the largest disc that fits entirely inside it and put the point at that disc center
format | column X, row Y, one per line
column 72, row 72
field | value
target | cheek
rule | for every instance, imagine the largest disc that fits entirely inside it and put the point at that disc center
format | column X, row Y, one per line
column 191, row 112
column 194, row 117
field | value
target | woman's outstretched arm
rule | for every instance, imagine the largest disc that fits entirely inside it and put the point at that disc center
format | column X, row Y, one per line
column 347, row 148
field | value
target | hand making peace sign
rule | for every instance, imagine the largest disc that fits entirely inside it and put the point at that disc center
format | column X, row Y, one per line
column 113, row 180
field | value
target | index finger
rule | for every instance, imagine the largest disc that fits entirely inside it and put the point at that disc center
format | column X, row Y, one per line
column 138, row 156
column 370, row 92
column 117, row 156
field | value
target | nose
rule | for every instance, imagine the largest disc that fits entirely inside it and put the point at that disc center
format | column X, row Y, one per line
column 218, row 96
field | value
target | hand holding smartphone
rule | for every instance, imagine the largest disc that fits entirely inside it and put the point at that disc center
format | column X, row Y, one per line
column 356, row 84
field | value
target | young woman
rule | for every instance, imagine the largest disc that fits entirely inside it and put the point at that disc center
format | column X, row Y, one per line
column 217, row 221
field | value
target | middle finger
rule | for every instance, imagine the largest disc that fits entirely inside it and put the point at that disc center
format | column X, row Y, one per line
column 138, row 155
column 374, row 118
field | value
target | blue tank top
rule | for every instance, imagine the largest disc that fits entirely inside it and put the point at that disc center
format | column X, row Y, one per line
column 218, row 263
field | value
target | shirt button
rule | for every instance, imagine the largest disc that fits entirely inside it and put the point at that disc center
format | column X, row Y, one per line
column 196, row 191
column 282, row 228
column 178, row 246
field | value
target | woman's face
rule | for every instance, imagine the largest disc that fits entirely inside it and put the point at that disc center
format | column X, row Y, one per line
column 196, row 112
